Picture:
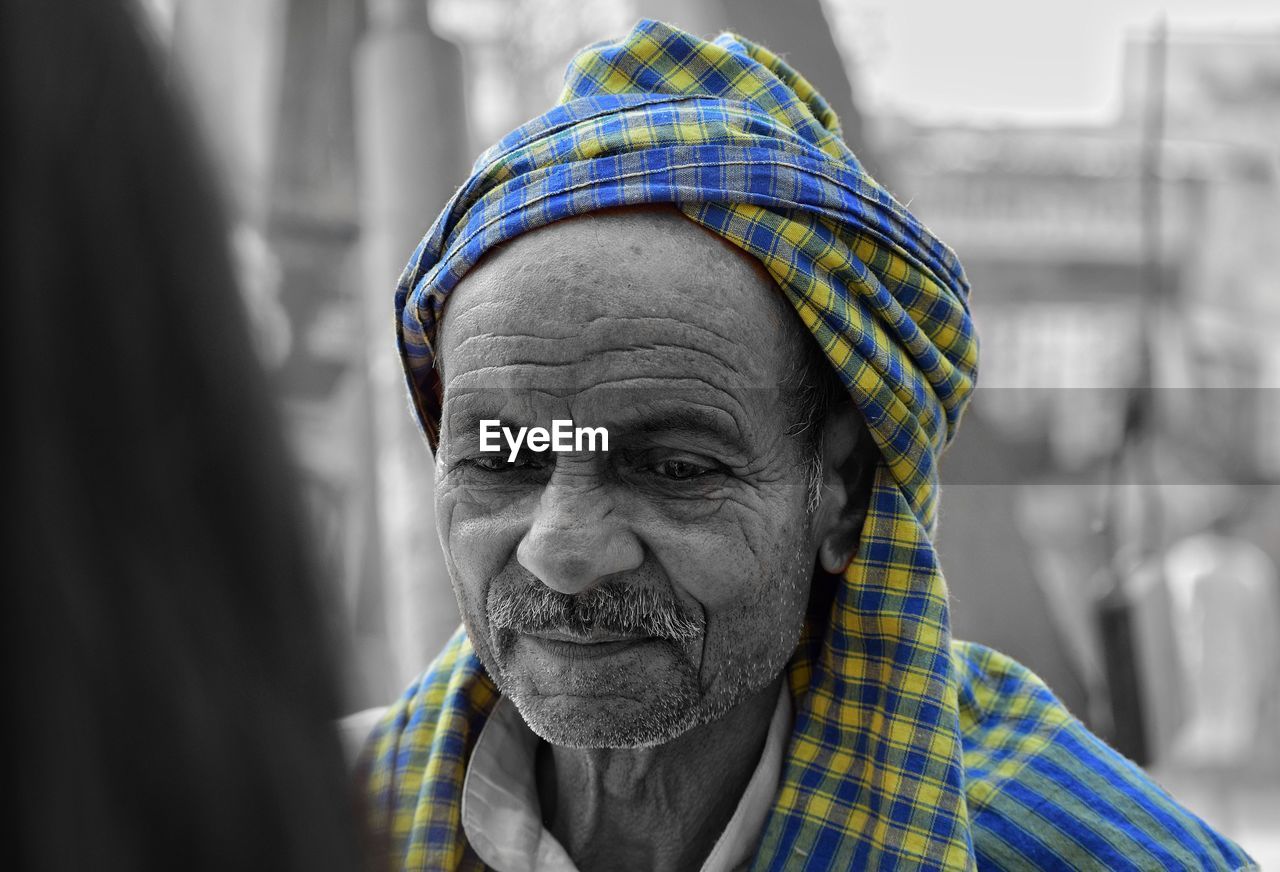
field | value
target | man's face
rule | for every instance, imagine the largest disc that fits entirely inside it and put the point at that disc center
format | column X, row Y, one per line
column 620, row 598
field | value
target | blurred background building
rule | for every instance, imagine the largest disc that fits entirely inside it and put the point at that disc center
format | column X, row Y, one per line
column 1111, row 184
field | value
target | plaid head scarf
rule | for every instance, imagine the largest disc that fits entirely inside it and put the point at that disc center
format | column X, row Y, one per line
column 908, row 750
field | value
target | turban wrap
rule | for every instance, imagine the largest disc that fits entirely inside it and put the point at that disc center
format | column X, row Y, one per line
column 889, row 712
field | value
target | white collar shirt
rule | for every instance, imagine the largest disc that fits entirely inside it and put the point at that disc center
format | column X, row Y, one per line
column 501, row 813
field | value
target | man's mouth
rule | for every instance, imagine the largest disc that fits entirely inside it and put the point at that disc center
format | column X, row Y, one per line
column 575, row 645
column 590, row 637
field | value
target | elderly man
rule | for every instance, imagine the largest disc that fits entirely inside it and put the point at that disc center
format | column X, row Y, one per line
column 716, row 637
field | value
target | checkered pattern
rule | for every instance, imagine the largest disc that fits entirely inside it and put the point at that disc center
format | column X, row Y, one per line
column 907, row 751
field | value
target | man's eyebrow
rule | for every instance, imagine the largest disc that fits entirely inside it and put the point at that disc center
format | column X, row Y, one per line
column 691, row 420
column 467, row 422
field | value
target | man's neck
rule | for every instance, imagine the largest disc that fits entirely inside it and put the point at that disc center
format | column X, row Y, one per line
column 658, row 808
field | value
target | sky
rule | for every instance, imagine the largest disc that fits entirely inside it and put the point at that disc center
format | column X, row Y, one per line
column 1012, row 60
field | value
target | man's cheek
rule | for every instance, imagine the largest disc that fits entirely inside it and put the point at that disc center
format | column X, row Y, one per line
column 720, row 564
column 474, row 557
column 479, row 496
column 478, row 546
column 476, row 532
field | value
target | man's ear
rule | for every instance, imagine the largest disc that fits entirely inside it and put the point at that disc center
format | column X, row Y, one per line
column 847, row 466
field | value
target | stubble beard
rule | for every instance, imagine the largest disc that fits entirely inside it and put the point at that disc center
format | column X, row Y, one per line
column 689, row 701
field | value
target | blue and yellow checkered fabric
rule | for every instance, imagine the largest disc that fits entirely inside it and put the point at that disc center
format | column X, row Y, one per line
column 908, row 751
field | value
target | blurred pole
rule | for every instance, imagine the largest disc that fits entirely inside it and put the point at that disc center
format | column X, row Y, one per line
column 311, row 228
column 1154, row 297
column 1116, row 611
column 411, row 142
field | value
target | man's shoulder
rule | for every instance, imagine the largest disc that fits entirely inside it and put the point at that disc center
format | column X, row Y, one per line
column 1045, row 792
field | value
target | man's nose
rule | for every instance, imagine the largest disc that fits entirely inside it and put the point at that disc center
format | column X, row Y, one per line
column 576, row 539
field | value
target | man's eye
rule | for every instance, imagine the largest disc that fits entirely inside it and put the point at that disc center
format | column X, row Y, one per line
column 499, row 463
column 682, row 469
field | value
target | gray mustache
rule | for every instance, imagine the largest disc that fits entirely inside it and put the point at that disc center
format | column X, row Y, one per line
column 529, row 606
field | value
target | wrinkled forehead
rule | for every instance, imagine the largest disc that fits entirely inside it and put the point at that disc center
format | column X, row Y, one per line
column 619, row 298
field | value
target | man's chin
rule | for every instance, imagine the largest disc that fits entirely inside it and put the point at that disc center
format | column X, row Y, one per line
column 607, row 721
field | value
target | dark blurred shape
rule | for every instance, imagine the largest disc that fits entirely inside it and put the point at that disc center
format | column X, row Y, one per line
column 169, row 675
column 1124, row 681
